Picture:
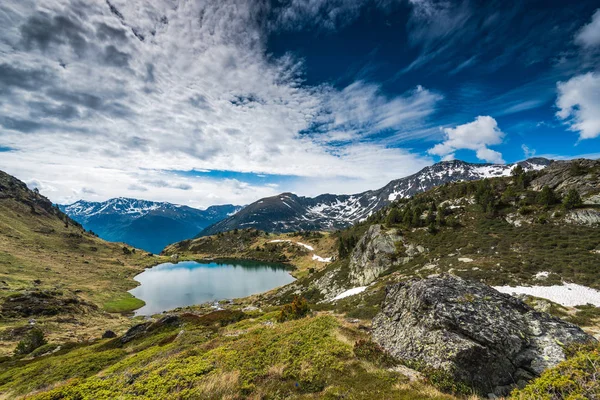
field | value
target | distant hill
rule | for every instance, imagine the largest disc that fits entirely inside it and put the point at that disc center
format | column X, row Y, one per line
column 145, row 224
column 289, row 213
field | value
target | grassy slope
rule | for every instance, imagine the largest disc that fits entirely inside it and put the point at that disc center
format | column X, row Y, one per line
column 255, row 358
column 38, row 252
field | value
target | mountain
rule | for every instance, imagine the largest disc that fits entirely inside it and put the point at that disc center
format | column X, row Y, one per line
column 144, row 224
column 57, row 276
column 288, row 212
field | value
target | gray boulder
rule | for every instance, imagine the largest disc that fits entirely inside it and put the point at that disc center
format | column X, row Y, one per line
column 487, row 339
column 372, row 255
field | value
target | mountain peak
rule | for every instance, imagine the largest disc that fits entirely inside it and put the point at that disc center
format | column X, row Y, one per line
column 288, row 212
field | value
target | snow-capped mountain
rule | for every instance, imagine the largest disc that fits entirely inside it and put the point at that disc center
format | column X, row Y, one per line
column 144, row 224
column 288, row 212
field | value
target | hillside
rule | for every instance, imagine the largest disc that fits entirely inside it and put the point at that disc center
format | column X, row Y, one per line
column 288, row 212
column 535, row 228
column 304, row 251
column 55, row 275
column 144, row 224
column 502, row 231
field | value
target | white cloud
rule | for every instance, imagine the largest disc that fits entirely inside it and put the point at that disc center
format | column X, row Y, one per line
column 589, row 35
column 123, row 92
column 527, row 151
column 476, row 135
column 579, row 104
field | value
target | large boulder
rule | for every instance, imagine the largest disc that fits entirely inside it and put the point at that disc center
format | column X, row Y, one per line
column 487, row 339
column 373, row 254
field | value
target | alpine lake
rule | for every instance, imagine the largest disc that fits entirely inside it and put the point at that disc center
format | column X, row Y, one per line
column 168, row 286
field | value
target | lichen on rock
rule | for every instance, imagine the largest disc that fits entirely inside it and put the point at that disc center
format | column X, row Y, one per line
column 489, row 340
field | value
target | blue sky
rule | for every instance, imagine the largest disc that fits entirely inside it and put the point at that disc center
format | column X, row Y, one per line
column 211, row 102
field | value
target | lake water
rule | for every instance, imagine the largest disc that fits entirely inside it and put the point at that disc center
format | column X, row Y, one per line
column 168, row 286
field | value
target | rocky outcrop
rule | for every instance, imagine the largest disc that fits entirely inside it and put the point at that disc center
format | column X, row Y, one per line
column 374, row 253
column 489, row 340
column 140, row 330
column 43, row 303
column 584, row 216
column 561, row 176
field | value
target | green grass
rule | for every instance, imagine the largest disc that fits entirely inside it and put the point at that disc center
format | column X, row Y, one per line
column 254, row 358
column 123, row 303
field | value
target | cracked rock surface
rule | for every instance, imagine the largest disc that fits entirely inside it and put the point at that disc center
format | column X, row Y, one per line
column 487, row 339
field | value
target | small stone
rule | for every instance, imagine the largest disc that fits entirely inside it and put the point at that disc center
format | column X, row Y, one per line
column 109, row 335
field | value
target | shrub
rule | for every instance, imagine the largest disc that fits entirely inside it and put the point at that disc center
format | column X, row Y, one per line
column 526, row 210
column 373, row 353
column 572, row 200
column 547, row 197
column 32, row 340
column 297, row 309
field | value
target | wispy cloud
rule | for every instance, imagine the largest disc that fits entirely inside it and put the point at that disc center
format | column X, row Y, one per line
column 179, row 86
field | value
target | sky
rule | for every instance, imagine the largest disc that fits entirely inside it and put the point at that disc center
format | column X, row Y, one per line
column 203, row 102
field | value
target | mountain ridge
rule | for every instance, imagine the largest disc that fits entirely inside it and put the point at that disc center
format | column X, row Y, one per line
column 288, row 212
column 144, row 224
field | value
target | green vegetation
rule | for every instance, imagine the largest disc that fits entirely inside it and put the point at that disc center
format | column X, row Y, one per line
column 311, row 357
column 123, row 303
column 576, row 378
column 372, row 352
column 572, row 200
column 32, row 340
column 586, row 315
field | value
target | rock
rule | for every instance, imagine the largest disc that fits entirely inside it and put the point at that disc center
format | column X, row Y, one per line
column 586, row 216
column 168, row 320
column 109, row 335
column 372, row 255
column 484, row 338
column 561, row 177
column 43, row 303
column 135, row 332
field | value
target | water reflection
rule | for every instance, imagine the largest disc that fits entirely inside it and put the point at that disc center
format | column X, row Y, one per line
column 169, row 286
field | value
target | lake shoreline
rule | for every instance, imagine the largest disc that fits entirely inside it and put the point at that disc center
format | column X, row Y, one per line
column 181, row 283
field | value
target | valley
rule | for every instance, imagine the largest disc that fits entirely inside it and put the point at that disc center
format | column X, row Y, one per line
column 144, row 224
column 534, row 229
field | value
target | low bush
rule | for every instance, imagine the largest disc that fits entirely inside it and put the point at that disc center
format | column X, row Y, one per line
column 297, row 309
column 372, row 352
column 32, row 340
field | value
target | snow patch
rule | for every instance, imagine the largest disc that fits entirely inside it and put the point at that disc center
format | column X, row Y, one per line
column 349, row 293
column 568, row 294
column 308, row 247
column 465, row 259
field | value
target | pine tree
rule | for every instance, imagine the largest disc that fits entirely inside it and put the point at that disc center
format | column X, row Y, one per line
column 572, row 200
column 547, row 197
column 393, row 217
